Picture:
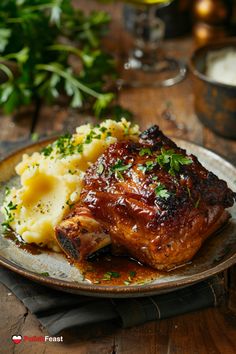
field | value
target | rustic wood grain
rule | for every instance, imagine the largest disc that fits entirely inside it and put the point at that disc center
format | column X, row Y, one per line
column 212, row 331
column 198, row 333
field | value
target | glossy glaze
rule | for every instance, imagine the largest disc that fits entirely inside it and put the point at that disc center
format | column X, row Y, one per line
column 120, row 199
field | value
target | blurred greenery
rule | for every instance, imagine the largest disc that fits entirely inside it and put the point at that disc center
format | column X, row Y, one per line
column 40, row 37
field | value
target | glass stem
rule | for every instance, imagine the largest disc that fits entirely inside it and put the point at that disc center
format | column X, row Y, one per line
column 148, row 32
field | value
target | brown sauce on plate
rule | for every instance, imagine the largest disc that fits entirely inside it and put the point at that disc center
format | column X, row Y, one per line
column 104, row 270
column 29, row 247
column 116, row 270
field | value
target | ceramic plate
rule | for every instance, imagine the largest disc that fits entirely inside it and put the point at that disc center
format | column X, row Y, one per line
column 217, row 254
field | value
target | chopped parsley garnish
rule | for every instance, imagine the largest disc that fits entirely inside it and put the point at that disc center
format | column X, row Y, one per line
column 189, row 192
column 197, row 203
column 6, row 225
column 118, row 168
column 88, row 139
column 64, row 146
column 100, row 169
column 103, row 129
column 147, row 167
column 7, row 191
column 47, row 150
column 92, row 135
column 161, row 191
column 80, row 148
column 70, row 205
column 11, row 206
column 45, row 274
column 110, row 275
column 132, row 274
column 145, row 151
column 126, row 129
column 173, row 160
column 9, row 216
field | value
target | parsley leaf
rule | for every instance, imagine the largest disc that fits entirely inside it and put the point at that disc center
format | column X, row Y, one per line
column 12, row 206
column 103, row 129
column 9, row 215
column 173, row 160
column 80, row 148
column 110, row 275
column 45, row 274
column 7, row 191
column 132, row 274
column 147, row 167
column 91, row 136
column 119, row 167
column 102, row 102
column 30, row 34
column 145, row 151
column 161, row 191
column 63, row 146
column 100, row 169
column 46, row 151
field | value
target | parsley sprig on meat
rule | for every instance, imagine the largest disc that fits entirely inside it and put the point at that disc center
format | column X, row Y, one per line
column 167, row 158
column 161, row 191
column 172, row 160
column 147, row 167
column 118, row 168
column 145, row 151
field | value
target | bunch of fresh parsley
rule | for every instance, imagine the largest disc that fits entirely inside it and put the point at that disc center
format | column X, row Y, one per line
column 40, row 36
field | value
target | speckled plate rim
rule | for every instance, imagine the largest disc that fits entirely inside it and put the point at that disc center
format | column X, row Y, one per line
column 118, row 291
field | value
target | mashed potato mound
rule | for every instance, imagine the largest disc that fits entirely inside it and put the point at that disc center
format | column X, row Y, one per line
column 51, row 180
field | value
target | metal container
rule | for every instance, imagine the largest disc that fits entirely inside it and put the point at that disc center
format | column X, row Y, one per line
column 215, row 102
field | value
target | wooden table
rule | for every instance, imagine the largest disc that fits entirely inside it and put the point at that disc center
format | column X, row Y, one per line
column 209, row 331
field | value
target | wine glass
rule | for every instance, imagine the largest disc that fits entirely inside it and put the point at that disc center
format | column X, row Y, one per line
column 147, row 65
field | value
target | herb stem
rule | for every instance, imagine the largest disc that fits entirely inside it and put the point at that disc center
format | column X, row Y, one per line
column 67, row 76
column 6, row 71
column 43, row 6
column 65, row 48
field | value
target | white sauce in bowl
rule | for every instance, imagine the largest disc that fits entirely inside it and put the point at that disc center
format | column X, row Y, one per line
column 221, row 66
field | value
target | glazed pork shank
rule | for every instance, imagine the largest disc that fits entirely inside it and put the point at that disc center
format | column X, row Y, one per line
column 146, row 199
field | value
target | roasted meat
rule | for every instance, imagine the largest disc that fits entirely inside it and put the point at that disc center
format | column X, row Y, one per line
column 147, row 199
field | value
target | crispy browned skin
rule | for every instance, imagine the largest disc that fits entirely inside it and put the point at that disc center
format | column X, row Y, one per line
column 125, row 211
